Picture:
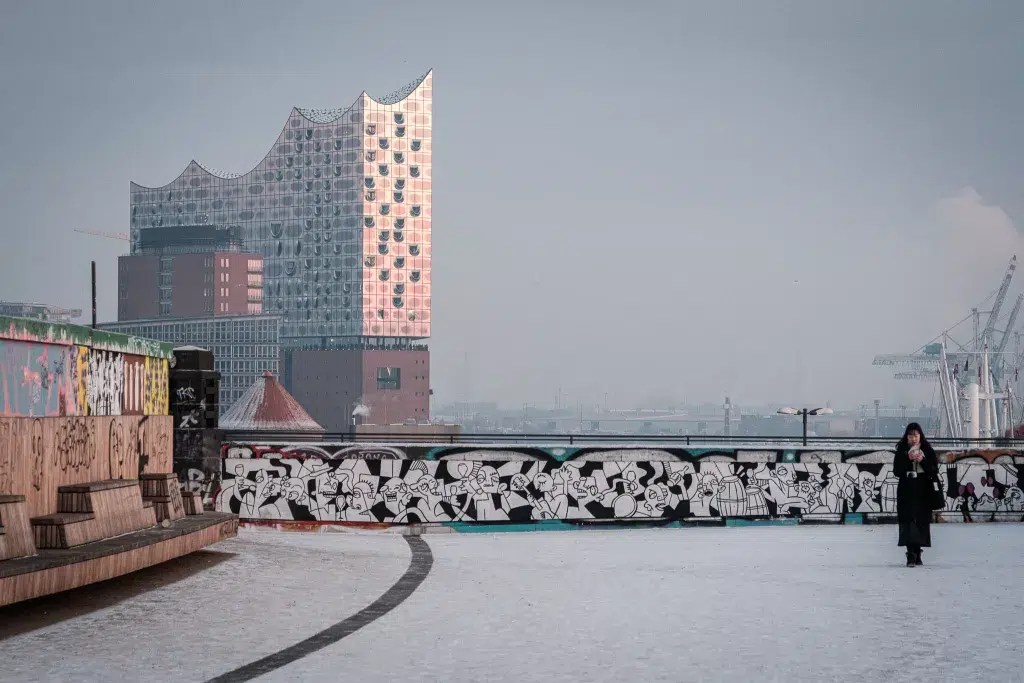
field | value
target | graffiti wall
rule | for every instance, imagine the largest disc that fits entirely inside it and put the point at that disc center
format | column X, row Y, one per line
column 419, row 484
column 39, row 379
column 49, row 370
column 39, row 454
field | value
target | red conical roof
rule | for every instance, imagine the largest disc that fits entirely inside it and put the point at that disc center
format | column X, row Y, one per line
column 267, row 407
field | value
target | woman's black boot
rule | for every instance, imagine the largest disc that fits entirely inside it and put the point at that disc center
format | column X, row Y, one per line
column 917, row 559
column 911, row 559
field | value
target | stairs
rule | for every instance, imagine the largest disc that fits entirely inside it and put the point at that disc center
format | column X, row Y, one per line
column 163, row 492
column 92, row 512
column 193, row 502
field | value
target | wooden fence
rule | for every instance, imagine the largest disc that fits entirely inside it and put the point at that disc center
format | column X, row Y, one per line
column 39, row 454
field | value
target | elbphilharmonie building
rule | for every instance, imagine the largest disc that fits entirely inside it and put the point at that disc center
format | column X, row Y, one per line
column 339, row 211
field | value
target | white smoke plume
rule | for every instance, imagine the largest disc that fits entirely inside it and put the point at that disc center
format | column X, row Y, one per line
column 974, row 248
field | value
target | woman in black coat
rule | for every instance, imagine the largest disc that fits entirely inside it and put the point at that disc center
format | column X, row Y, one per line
column 916, row 466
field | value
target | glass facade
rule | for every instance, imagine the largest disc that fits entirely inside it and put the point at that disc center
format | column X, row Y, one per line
column 243, row 346
column 340, row 211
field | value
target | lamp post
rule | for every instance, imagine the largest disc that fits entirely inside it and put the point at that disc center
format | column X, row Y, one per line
column 804, row 412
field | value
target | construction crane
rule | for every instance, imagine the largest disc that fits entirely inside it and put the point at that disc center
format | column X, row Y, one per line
column 1009, row 327
column 111, row 235
column 948, row 361
column 990, row 326
column 929, row 374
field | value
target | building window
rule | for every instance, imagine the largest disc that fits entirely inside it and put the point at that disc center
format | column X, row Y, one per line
column 389, row 379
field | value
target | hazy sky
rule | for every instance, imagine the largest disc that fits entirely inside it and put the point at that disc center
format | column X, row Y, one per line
column 640, row 199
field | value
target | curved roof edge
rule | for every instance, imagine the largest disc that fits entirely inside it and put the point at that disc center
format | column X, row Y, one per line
column 208, row 170
column 321, row 116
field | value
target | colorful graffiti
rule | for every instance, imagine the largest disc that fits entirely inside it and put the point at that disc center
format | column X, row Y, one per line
column 46, row 372
column 134, row 394
column 65, row 334
column 39, row 379
column 157, row 390
column 458, row 484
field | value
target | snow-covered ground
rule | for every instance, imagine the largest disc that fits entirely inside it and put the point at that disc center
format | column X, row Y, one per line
column 781, row 603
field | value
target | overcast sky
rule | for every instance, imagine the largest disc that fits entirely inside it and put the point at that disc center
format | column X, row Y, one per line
column 652, row 201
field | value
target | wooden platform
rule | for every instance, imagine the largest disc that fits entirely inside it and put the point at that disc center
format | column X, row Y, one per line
column 53, row 571
column 15, row 531
column 91, row 512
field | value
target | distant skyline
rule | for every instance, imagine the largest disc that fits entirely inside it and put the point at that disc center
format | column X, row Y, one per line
column 654, row 201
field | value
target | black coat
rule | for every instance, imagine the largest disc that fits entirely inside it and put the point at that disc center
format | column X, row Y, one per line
column 913, row 495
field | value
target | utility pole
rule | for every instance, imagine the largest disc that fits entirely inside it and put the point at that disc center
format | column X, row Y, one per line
column 878, row 403
column 727, row 429
column 93, row 295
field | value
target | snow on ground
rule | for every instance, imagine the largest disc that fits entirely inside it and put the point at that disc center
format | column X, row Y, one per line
column 276, row 588
column 781, row 603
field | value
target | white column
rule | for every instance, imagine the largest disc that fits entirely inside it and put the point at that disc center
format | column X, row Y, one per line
column 974, row 410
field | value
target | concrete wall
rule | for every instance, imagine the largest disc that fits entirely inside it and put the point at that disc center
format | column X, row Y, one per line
column 138, row 287
column 412, row 401
column 402, row 484
column 193, row 289
column 330, row 383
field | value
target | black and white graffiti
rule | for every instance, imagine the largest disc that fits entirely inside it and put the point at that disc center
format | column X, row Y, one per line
column 105, row 382
column 403, row 491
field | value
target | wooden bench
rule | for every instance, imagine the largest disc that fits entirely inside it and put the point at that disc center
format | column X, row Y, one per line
column 193, row 502
column 92, row 512
column 163, row 491
column 15, row 530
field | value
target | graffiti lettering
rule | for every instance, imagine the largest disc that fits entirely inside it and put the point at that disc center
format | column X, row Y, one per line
column 119, row 447
column 7, row 451
column 74, row 445
column 37, row 450
column 37, row 379
column 106, row 382
column 186, row 394
column 157, row 380
column 190, row 420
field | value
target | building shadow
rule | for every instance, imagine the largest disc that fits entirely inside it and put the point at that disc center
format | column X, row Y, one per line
column 27, row 616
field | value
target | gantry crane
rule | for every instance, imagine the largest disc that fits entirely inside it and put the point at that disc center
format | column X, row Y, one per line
column 982, row 363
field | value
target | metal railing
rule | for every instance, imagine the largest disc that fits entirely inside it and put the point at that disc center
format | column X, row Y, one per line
column 682, row 440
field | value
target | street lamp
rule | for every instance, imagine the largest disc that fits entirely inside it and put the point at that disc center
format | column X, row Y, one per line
column 804, row 412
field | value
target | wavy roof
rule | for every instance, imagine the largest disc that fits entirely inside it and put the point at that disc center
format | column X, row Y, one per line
column 319, row 116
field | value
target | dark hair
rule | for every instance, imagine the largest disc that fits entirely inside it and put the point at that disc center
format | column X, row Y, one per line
column 913, row 427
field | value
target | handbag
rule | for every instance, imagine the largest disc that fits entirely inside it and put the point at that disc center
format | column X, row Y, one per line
column 936, row 496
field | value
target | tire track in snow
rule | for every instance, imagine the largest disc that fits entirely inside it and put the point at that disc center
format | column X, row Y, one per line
column 419, row 566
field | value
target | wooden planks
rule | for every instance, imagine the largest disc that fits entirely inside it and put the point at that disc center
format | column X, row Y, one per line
column 163, row 490
column 38, row 455
column 193, row 501
column 92, row 512
column 53, row 571
column 16, row 539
